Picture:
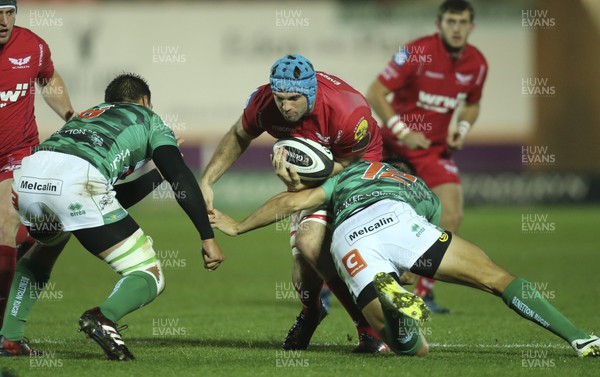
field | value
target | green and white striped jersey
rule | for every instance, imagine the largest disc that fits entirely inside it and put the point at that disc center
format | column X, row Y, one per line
column 116, row 138
column 364, row 183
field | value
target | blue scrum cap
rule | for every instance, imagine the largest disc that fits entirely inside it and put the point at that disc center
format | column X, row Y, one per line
column 294, row 74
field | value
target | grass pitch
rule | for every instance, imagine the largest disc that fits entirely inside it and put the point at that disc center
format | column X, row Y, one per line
column 231, row 322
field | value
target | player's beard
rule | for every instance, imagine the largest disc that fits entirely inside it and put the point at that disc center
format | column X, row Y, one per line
column 451, row 49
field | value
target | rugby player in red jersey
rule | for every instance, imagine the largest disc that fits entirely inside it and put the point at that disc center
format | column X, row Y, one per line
column 430, row 78
column 24, row 62
column 299, row 101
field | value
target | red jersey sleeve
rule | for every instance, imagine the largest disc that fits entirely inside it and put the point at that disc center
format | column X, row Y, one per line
column 474, row 95
column 357, row 132
column 46, row 69
column 400, row 69
column 250, row 121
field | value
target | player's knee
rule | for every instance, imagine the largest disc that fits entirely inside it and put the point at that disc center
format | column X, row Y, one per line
column 9, row 224
column 137, row 254
column 308, row 247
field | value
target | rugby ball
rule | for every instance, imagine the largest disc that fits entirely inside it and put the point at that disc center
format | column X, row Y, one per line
column 313, row 161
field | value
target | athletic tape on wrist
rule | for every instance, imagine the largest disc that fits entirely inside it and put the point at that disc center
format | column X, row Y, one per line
column 398, row 127
column 463, row 128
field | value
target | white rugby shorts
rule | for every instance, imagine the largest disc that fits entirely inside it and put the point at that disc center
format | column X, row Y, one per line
column 70, row 187
column 387, row 236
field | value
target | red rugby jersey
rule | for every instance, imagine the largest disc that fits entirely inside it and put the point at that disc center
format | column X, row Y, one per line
column 428, row 85
column 24, row 59
column 340, row 120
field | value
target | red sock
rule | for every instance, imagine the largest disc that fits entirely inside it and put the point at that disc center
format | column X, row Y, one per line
column 8, row 264
column 340, row 290
column 424, row 286
column 311, row 301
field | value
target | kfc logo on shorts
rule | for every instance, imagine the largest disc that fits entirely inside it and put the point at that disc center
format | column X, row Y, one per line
column 354, row 262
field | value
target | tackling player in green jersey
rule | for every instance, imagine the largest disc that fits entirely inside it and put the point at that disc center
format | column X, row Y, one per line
column 383, row 227
column 66, row 187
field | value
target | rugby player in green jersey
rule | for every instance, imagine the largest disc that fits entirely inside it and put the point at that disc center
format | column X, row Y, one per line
column 385, row 225
column 67, row 186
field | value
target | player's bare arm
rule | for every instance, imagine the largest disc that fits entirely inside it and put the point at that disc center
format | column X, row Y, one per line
column 230, row 148
column 340, row 163
column 467, row 116
column 57, row 97
column 277, row 208
column 377, row 97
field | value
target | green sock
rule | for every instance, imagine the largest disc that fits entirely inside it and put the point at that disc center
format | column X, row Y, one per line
column 29, row 281
column 404, row 336
column 130, row 293
column 529, row 303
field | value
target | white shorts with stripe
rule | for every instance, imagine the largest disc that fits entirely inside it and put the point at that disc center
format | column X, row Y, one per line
column 388, row 236
column 66, row 186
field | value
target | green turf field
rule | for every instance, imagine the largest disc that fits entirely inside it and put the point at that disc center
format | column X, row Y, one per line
column 231, row 322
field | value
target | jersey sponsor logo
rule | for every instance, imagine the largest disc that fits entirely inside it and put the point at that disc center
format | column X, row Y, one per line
column 97, row 140
column 389, row 73
column 329, row 78
column 284, row 129
column 120, row 156
column 41, row 47
column 354, row 262
column 438, row 103
column 449, row 166
column 338, row 136
column 372, row 227
column 76, row 209
column 13, row 95
column 323, row 139
column 11, row 166
column 434, row 75
column 46, row 186
column 417, row 229
column 361, row 129
column 20, row 63
column 463, row 79
column 106, row 200
column 73, row 131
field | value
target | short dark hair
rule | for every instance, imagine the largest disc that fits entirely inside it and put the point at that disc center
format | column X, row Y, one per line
column 127, row 87
column 455, row 6
column 401, row 164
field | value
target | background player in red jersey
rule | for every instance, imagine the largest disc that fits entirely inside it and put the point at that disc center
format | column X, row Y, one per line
column 321, row 107
column 24, row 61
column 430, row 77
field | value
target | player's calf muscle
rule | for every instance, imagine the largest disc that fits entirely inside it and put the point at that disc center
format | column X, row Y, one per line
column 467, row 264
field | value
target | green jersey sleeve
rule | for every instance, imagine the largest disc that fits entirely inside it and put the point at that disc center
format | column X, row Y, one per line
column 160, row 133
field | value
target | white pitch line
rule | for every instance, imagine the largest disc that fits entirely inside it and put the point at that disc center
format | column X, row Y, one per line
column 514, row 345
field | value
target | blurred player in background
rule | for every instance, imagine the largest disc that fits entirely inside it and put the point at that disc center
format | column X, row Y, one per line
column 100, row 146
column 385, row 221
column 430, row 78
column 301, row 102
column 24, row 62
